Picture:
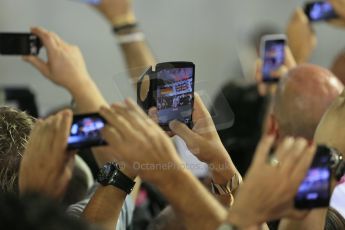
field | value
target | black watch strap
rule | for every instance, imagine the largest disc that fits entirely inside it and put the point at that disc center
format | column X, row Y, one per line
column 121, row 181
column 110, row 174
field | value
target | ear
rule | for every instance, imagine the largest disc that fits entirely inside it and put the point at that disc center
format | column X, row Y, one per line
column 272, row 126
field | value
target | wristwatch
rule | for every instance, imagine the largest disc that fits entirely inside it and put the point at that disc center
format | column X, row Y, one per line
column 337, row 164
column 110, row 174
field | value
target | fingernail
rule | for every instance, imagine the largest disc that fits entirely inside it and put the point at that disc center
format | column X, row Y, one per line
column 173, row 124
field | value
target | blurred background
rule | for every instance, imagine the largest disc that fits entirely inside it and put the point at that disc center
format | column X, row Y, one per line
column 215, row 35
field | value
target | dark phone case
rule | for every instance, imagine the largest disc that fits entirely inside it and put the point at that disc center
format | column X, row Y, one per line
column 19, row 44
column 151, row 99
column 322, row 152
column 86, row 145
column 307, row 10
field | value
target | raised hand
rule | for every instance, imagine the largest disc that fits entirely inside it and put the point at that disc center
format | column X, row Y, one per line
column 46, row 166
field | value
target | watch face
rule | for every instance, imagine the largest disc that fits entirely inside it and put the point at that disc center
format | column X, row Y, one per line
column 105, row 173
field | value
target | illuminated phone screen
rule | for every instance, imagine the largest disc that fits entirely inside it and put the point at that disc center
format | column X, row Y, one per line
column 319, row 11
column 314, row 191
column 175, row 95
column 273, row 57
column 85, row 131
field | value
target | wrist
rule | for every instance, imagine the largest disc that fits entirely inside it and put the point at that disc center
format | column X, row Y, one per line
column 168, row 179
column 222, row 170
column 80, row 86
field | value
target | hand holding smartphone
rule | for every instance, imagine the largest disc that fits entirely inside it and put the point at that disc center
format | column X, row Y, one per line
column 19, row 44
column 318, row 11
column 171, row 92
column 272, row 55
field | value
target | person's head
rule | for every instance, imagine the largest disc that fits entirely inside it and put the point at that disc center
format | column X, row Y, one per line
column 32, row 212
column 302, row 98
column 334, row 220
column 15, row 127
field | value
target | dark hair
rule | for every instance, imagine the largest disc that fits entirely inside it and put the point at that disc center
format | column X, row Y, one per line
column 334, row 220
column 15, row 128
column 33, row 212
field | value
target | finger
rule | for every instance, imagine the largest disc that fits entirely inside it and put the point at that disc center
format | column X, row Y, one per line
column 64, row 128
column 117, row 121
column 184, row 132
column 263, row 149
column 283, row 148
column 153, row 114
column 34, row 135
column 46, row 37
column 133, row 106
column 281, row 71
column 294, row 154
column 38, row 63
column 112, row 137
column 200, row 111
column 303, row 164
column 258, row 70
column 290, row 61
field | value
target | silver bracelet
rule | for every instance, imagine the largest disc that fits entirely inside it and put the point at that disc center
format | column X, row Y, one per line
column 130, row 38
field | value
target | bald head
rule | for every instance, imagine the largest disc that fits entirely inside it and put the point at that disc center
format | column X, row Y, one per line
column 303, row 96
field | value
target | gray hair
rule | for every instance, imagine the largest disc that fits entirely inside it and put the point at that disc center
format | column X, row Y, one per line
column 15, row 128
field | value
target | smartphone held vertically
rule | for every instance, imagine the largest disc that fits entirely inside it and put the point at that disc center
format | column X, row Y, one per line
column 314, row 192
column 85, row 131
column 19, row 44
column 171, row 91
column 272, row 55
column 319, row 11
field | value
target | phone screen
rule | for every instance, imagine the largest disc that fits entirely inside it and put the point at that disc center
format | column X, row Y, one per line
column 19, row 44
column 315, row 188
column 85, row 131
column 320, row 11
column 175, row 95
column 273, row 58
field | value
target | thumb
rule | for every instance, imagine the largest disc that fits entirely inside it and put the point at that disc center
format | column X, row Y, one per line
column 183, row 131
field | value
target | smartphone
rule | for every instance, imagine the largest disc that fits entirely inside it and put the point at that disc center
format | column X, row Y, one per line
column 314, row 192
column 319, row 11
column 272, row 55
column 171, row 92
column 85, row 131
column 19, row 44
column 93, row 2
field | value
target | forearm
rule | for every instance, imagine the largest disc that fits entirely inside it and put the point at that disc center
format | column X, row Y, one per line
column 191, row 201
column 315, row 220
column 87, row 97
column 104, row 207
column 138, row 57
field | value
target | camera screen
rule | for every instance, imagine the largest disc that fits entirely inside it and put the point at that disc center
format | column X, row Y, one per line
column 315, row 185
column 274, row 57
column 175, row 95
column 314, row 191
column 319, row 11
column 85, row 131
